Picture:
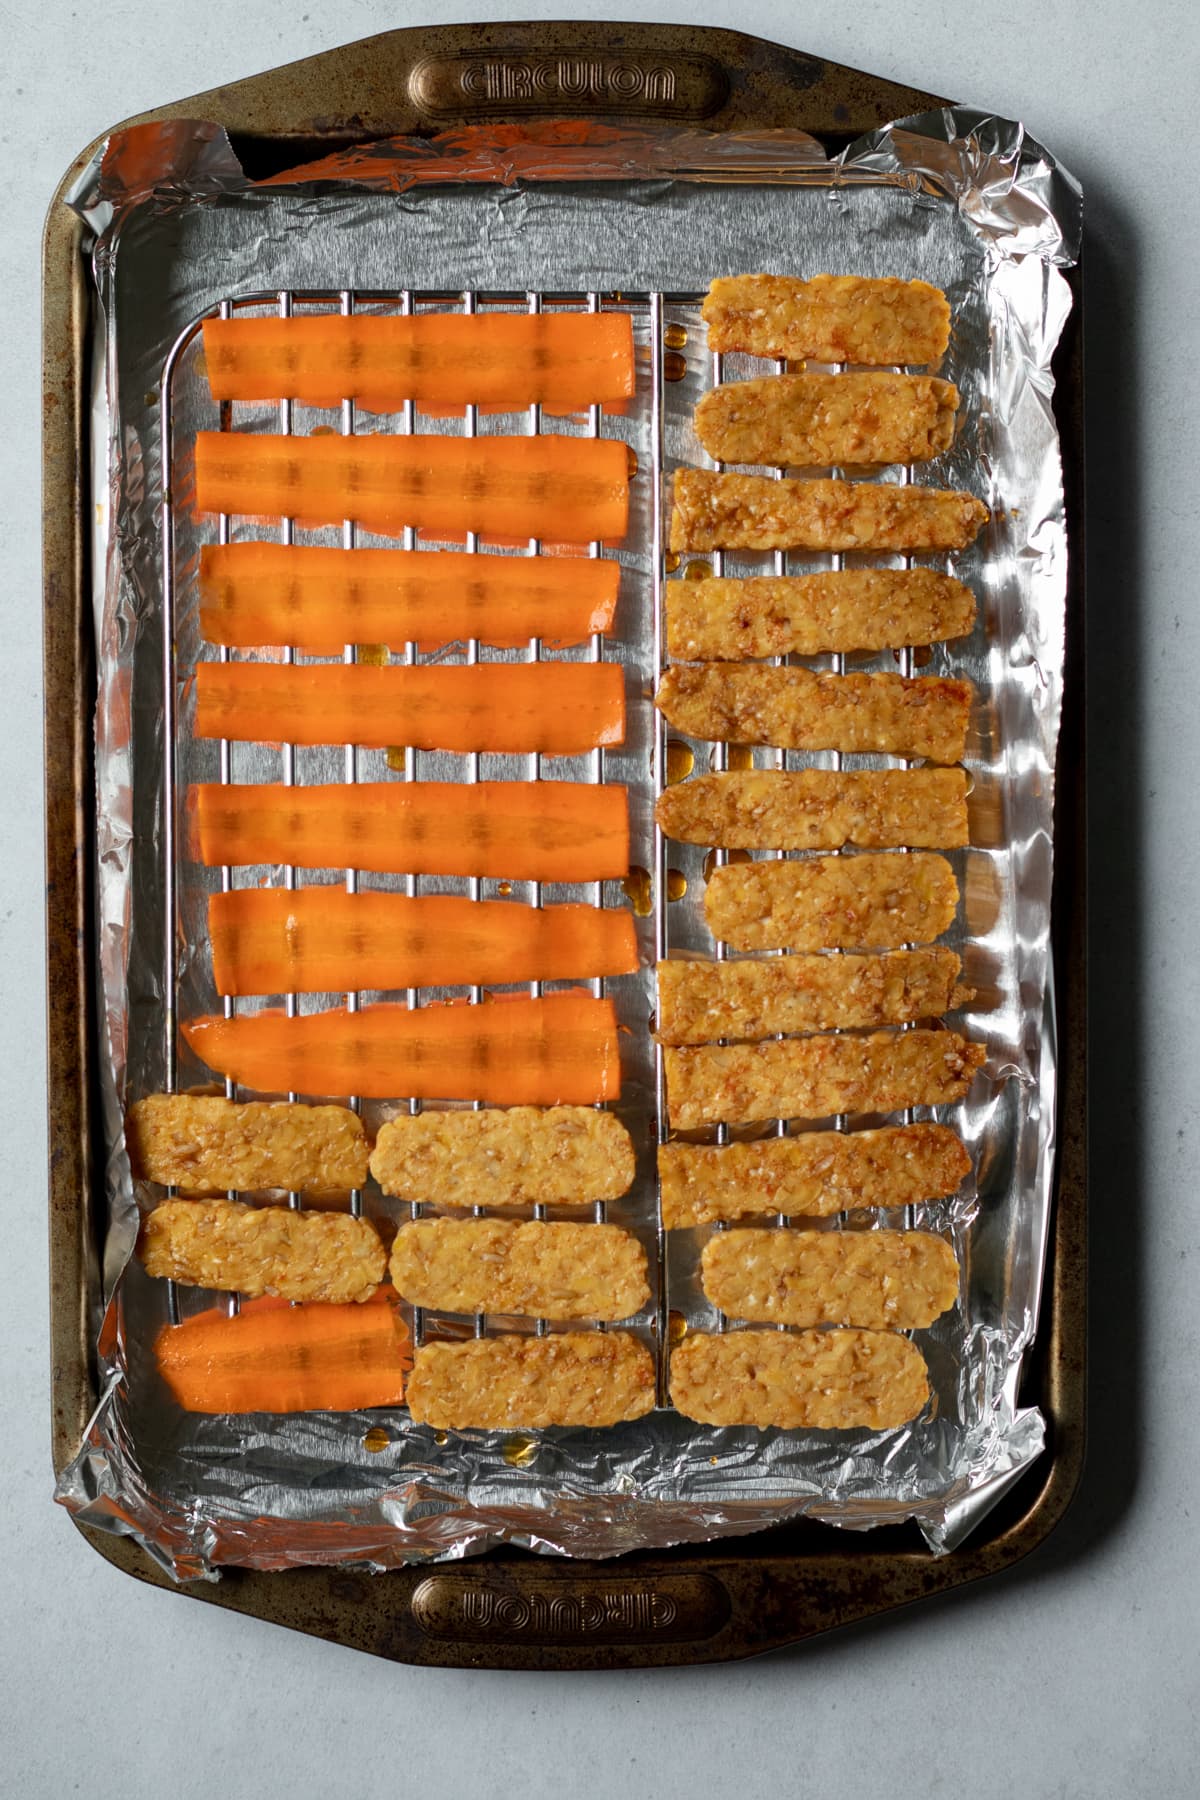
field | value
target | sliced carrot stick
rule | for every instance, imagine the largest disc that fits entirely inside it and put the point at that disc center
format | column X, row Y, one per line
column 322, row 599
column 511, row 1051
column 279, row 1358
column 319, row 940
column 564, row 489
column 562, row 361
column 510, row 830
column 560, row 709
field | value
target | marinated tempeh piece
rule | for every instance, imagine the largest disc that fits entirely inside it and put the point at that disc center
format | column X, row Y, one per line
column 584, row 1378
column 875, row 901
column 257, row 1250
column 817, row 1077
column 521, row 1156
column 884, row 1280
column 754, row 512
column 795, row 709
column 812, row 421
column 819, row 809
column 814, row 1175
column 830, row 318
column 202, row 1143
column 757, row 997
column 799, row 1381
column 546, row 1271
column 722, row 620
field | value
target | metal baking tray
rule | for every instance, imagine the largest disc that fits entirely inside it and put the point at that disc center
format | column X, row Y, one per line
column 511, row 1609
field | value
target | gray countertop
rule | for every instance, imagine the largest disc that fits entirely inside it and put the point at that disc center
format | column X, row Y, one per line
column 1074, row 1675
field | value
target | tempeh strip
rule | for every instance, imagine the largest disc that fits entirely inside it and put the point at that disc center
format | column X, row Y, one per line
column 756, row 997
column 255, row 1250
column 512, row 830
column 799, row 1381
column 813, row 421
column 544, row 1271
column 511, row 1050
column 583, row 1378
column 795, row 709
column 321, row 598
column 818, row 1077
column 813, row 1175
column 560, row 361
column 521, row 1156
column 867, row 902
column 559, row 709
column 819, row 809
column 830, row 318
column 322, row 940
column 754, row 512
column 564, row 490
column 202, row 1143
column 722, row 620
column 884, row 1280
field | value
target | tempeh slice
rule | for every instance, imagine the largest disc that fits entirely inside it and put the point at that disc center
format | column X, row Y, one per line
column 813, row 1175
column 546, row 1271
column 829, row 318
column 795, row 709
column 202, row 1143
column 884, row 1280
column 819, row 809
column 818, row 1077
column 516, row 1156
column 812, row 421
column 757, row 997
column 810, row 1380
column 875, row 901
column 263, row 1250
column 582, row 1378
column 719, row 619
column 755, row 512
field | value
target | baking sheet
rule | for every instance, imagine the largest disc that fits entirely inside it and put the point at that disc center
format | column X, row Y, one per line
column 959, row 199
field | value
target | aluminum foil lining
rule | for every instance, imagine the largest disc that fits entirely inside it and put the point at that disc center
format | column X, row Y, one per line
column 959, row 198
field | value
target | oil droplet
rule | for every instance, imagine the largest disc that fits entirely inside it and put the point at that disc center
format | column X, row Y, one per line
column 677, row 1327
column 681, row 760
column 441, row 1437
column 638, row 890
column 396, row 758
column 631, row 460
column 675, row 337
column 322, row 431
column 520, row 1450
column 697, row 571
column 733, row 856
column 504, row 887
column 374, row 655
column 671, row 561
column 150, row 397
column 676, row 884
column 739, row 756
column 674, row 366
column 922, row 656
column 377, row 1439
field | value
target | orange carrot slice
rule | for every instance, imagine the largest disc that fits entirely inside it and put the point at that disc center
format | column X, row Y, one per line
column 564, row 489
column 322, row 599
column 511, row 1051
column 278, row 1358
column 320, row 940
column 562, row 361
column 510, row 830
column 560, row 709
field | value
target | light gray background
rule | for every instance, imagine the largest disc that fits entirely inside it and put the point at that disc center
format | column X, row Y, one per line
column 1076, row 1675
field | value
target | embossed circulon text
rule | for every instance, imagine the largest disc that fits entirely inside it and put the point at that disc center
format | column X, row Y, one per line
column 687, row 86
column 675, row 1607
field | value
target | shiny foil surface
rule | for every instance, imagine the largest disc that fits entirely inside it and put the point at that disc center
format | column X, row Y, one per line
column 961, row 199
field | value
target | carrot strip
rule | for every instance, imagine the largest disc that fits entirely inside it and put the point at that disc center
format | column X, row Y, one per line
column 322, row 599
column 564, row 489
column 319, row 940
column 561, row 361
column 510, row 830
column 278, row 1358
column 560, row 709
column 512, row 1051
